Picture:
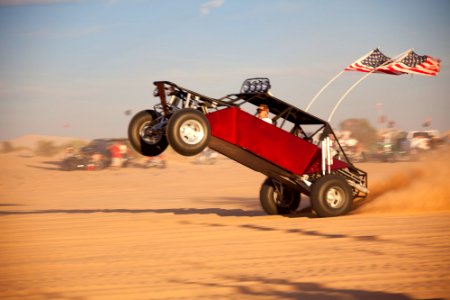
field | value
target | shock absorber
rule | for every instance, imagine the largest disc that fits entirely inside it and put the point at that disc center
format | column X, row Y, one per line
column 327, row 155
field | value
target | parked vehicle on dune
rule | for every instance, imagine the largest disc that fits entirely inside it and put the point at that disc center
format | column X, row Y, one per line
column 390, row 150
column 94, row 156
column 207, row 157
column 158, row 162
column 425, row 140
column 294, row 160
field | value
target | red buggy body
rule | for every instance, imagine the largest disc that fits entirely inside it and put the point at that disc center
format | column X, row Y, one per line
column 294, row 160
column 245, row 131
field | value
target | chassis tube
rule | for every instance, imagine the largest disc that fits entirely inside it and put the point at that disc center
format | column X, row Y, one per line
column 162, row 96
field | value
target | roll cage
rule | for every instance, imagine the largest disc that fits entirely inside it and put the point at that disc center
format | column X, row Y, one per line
column 174, row 97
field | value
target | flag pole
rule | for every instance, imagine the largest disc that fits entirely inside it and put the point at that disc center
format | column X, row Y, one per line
column 361, row 79
column 328, row 83
column 322, row 89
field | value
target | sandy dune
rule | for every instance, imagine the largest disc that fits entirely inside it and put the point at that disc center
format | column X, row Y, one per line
column 197, row 232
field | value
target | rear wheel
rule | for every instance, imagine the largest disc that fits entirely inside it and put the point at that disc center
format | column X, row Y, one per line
column 145, row 136
column 188, row 132
column 331, row 196
column 276, row 199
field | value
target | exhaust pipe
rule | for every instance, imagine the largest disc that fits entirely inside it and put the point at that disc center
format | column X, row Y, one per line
column 358, row 187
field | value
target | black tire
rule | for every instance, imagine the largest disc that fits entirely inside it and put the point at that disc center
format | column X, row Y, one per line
column 69, row 164
column 188, row 132
column 146, row 144
column 331, row 196
column 272, row 204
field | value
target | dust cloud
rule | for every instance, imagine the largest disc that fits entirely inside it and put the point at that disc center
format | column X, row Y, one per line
column 421, row 187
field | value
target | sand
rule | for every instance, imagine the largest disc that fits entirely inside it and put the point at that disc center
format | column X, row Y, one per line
column 198, row 232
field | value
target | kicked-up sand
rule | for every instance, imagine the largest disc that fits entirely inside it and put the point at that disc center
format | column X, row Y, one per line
column 198, row 232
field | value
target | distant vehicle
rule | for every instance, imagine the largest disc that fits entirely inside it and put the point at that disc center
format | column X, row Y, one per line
column 284, row 152
column 390, row 149
column 207, row 157
column 94, row 156
column 424, row 139
column 351, row 146
column 158, row 162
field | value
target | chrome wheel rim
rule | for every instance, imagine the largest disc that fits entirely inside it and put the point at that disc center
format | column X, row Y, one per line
column 192, row 132
column 335, row 197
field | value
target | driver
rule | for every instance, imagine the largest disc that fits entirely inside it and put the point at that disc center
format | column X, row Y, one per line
column 263, row 113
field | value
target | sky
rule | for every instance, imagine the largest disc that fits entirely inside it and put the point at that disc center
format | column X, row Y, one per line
column 72, row 68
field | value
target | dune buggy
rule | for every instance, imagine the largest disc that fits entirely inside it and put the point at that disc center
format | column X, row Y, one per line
column 299, row 153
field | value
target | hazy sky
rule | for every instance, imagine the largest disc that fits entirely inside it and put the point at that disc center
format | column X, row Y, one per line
column 72, row 68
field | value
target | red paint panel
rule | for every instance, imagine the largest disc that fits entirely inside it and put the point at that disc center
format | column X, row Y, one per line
column 263, row 139
column 223, row 124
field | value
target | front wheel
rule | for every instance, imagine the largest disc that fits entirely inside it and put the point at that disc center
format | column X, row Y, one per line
column 331, row 196
column 188, row 132
column 145, row 134
column 277, row 199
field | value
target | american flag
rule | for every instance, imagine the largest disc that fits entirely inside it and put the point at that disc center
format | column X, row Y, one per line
column 412, row 63
column 374, row 61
